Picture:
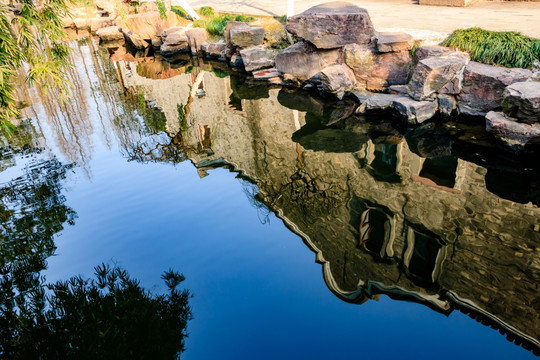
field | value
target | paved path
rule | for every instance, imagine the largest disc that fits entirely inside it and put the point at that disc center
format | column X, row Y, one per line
column 407, row 14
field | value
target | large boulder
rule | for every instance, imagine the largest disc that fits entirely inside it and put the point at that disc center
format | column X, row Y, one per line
column 215, row 51
column 522, row 101
column 110, row 33
column 433, row 74
column 196, row 37
column 245, row 36
column 393, row 42
column 258, row 57
column 148, row 25
column 513, row 133
column 483, row 86
column 332, row 25
column 375, row 71
column 337, row 79
column 303, row 61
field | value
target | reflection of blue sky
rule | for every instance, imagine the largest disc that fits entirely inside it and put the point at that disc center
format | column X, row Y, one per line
column 258, row 292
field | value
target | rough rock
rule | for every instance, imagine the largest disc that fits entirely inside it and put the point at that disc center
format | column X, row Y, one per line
column 332, row 25
column 303, row 61
column 175, row 29
column 258, row 57
column 136, row 41
column 425, row 52
column 415, row 112
column 215, row 50
column 394, row 42
column 337, row 79
column 156, row 42
column 246, row 36
column 82, row 23
column 522, row 101
column 100, row 23
column 196, row 37
column 483, row 86
column 375, row 71
column 106, row 5
column 447, row 104
column 110, row 33
column 513, row 133
column 149, row 24
column 433, row 73
column 227, row 30
column 175, row 43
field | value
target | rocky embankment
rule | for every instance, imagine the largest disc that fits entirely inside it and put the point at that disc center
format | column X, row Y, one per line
column 338, row 52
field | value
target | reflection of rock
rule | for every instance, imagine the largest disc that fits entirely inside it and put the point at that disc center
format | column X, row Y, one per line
column 438, row 236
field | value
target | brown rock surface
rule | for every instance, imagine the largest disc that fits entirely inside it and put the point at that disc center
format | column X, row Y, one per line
column 196, row 37
column 483, row 86
column 433, row 73
column 303, row 61
column 245, row 36
column 374, row 71
column 511, row 131
column 337, row 79
column 332, row 25
column 110, row 33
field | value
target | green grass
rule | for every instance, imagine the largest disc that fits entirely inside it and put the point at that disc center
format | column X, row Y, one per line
column 179, row 11
column 510, row 49
column 206, row 11
column 215, row 25
column 162, row 8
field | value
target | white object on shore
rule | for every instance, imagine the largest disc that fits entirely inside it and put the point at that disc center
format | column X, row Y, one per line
column 184, row 5
column 290, row 8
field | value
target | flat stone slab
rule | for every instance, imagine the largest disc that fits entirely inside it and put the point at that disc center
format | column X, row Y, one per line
column 414, row 112
column 266, row 74
column 522, row 101
column 332, row 25
column 393, row 42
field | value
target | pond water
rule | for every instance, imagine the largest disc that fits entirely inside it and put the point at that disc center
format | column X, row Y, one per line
column 304, row 231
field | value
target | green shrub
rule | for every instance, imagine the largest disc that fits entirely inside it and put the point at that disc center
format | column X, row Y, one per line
column 510, row 49
column 206, row 11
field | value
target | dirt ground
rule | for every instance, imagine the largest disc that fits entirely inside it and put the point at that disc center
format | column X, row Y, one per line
column 396, row 15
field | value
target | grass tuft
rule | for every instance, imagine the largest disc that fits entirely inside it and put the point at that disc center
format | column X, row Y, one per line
column 510, row 49
column 206, row 11
column 215, row 25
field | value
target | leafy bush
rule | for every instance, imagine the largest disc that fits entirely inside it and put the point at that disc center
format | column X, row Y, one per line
column 510, row 49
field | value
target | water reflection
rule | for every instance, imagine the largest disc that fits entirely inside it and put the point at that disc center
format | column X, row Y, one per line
column 433, row 215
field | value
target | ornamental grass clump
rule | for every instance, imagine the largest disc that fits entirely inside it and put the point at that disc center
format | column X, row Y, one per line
column 215, row 23
column 510, row 49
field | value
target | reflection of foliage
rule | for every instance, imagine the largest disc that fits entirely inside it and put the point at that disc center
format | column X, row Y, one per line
column 219, row 73
column 182, row 121
column 252, row 193
column 109, row 317
column 33, row 211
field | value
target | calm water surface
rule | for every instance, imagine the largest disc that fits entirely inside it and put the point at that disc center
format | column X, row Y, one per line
column 303, row 232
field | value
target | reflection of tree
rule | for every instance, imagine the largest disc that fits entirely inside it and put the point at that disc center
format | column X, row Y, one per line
column 110, row 317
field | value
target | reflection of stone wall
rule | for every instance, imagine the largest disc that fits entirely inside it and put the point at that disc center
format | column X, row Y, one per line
column 480, row 247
